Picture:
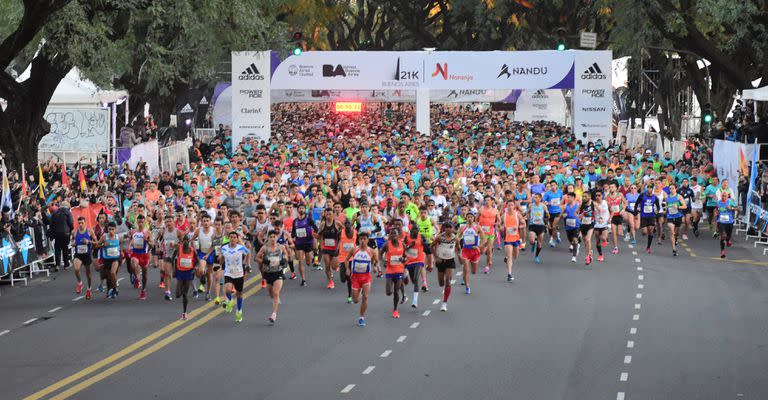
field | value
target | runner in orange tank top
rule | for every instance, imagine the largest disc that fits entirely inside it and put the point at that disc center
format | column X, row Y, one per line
column 488, row 218
column 394, row 255
column 511, row 230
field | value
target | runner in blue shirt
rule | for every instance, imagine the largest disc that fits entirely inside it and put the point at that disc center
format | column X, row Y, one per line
column 648, row 206
column 724, row 210
column 675, row 206
column 553, row 198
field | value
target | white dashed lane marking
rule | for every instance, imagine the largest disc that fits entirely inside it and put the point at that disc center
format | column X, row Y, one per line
column 415, row 325
column 4, row 332
column 401, row 339
column 426, row 313
column 630, row 344
column 620, row 396
column 78, row 298
column 53, row 310
column 369, row 369
column 386, row 353
column 633, row 331
column 641, row 286
column 30, row 321
column 627, row 359
column 637, row 306
column 639, row 296
column 348, row 388
column 624, row 376
column 435, row 301
column 637, row 260
column 636, row 317
column 640, row 277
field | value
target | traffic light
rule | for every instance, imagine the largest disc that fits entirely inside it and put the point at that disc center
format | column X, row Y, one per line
column 561, row 39
column 706, row 114
column 560, row 45
column 297, row 43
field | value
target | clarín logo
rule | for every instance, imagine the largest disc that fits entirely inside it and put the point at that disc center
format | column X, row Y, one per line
column 593, row 72
column 251, row 74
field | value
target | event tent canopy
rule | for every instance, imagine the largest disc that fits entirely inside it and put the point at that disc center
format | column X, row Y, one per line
column 759, row 94
column 74, row 91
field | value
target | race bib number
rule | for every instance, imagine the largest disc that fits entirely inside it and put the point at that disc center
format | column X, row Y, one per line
column 445, row 251
column 615, row 208
column 672, row 210
column 470, row 239
column 538, row 218
column 185, row 263
column 724, row 218
column 411, row 253
column 570, row 222
column 348, row 247
column 360, row 267
column 365, row 230
column 113, row 252
column 274, row 261
column 586, row 220
column 301, row 232
column 631, row 206
column 138, row 243
column 82, row 248
column 648, row 209
column 487, row 230
column 512, row 231
column 524, row 207
column 329, row 242
column 396, row 260
column 555, row 202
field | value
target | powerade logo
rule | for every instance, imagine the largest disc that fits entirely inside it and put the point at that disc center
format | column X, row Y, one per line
column 251, row 74
column 599, row 93
column 252, row 94
column 593, row 72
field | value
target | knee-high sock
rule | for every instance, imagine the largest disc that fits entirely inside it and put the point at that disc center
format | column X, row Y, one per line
column 446, row 292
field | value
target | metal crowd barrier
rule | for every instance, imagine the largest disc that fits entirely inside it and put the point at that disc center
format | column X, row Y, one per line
column 21, row 260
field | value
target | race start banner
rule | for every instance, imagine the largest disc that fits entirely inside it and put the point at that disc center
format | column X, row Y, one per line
column 251, row 116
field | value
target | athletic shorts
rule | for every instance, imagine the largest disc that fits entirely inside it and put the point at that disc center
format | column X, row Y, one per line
column 168, row 260
column 428, row 248
column 373, row 243
column 332, row 253
column 686, row 210
column 305, row 247
column 143, row 259
column 216, row 267
column 358, row 280
column 586, row 228
column 710, row 210
column 84, row 258
column 395, row 277
column 471, row 255
column 572, row 234
column 442, row 265
column 601, row 229
column 271, row 277
column 414, row 266
column 537, row 229
column 675, row 221
column 633, row 212
column 184, row 275
column 724, row 230
column 236, row 282
column 552, row 216
column 380, row 242
column 515, row 243
column 647, row 221
column 617, row 220
column 208, row 260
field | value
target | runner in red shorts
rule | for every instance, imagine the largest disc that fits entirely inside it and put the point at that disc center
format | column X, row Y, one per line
column 469, row 238
column 358, row 264
column 139, row 257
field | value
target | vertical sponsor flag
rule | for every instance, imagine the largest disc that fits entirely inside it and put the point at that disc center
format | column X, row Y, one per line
column 81, row 178
column 6, row 198
column 753, row 170
column 41, row 181
column 64, row 178
column 23, row 182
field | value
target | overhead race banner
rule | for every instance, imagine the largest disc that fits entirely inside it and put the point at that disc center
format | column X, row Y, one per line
column 592, row 97
column 350, row 70
column 251, row 116
column 394, row 96
column 545, row 69
column 77, row 129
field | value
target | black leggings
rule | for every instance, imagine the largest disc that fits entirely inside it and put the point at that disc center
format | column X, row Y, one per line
column 182, row 288
column 724, row 231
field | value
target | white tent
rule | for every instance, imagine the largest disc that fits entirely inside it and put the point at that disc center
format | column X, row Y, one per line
column 759, row 94
column 74, row 91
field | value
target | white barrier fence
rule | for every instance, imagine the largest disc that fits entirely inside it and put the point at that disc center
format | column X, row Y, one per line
column 205, row 134
column 175, row 153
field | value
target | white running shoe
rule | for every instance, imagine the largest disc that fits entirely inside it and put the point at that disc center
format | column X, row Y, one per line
column 573, row 259
column 444, row 307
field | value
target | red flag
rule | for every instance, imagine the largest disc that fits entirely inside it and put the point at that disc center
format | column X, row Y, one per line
column 64, row 178
column 23, row 182
column 81, row 177
column 101, row 174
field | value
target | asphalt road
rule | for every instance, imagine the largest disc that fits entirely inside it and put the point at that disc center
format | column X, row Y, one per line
column 634, row 327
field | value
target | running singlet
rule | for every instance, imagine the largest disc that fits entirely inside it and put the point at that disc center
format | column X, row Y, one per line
column 469, row 238
column 554, row 199
column 366, row 224
column 415, row 254
column 302, row 231
column 395, row 258
column 631, row 201
column 615, row 205
column 272, row 259
column 587, row 214
column 571, row 217
column 346, row 244
column 487, row 220
column 537, row 214
column 185, row 261
column 647, row 205
column 603, row 215
column 170, row 240
column 522, row 198
column 425, row 228
column 138, row 242
column 111, row 249
column 233, row 260
column 673, row 207
column 361, row 262
column 80, row 246
column 331, row 237
column 511, row 228
column 446, row 248
column 205, row 240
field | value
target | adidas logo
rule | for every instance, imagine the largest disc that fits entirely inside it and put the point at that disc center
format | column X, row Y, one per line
column 187, row 109
column 204, row 101
column 251, row 74
column 593, row 72
column 540, row 94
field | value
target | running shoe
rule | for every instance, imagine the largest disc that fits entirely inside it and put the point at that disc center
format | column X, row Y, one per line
column 88, row 294
column 229, row 305
column 263, row 283
column 132, row 278
column 467, row 290
column 685, row 237
column 510, row 278
column 293, row 275
column 558, row 237
column 444, row 307
column 303, row 282
column 100, row 288
column 551, row 243
column 403, row 299
column 109, row 293
column 201, row 288
column 605, row 243
column 488, row 269
column 588, row 259
column 722, row 254
column 168, row 296
column 143, row 294
column 695, row 231
column 714, row 234
column 674, row 253
column 195, row 294
column 272, row 318
column 207, row 297
column 537, row 259
column 161, row 285
column 600, row 258
column 634, row 241
column 395, row 314
column 728, row 243
column 136, row 283
column 626, row 238
column 573, row 259
column 79, row 288
column 424, row 287
column 361, row 321
column 217, row 300
column 114, row 294
column 331, row 285
column 615, row 250
column 349, row 300
column 648, row 250
column 415, row 305
column 184, row 316
column 238, row 316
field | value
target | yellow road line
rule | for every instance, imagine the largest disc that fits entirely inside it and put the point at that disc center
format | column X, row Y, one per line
column 124, row 352
column 758, row 263
column 144, row 353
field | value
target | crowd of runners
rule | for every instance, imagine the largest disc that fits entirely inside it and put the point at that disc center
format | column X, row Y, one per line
column 365, row 196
